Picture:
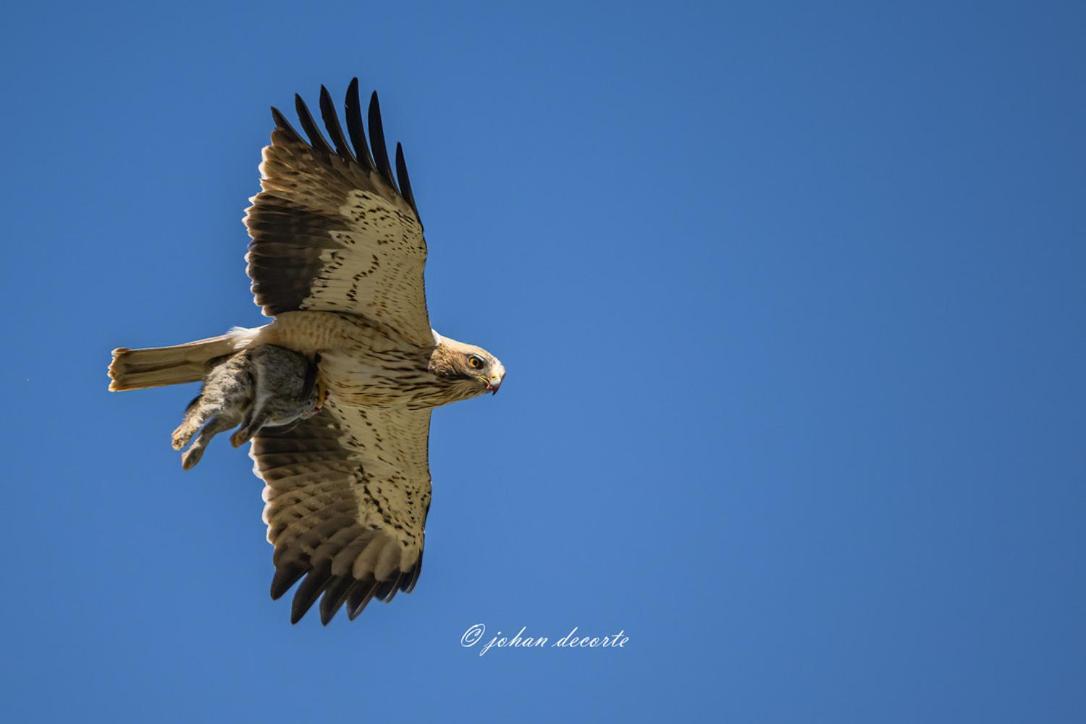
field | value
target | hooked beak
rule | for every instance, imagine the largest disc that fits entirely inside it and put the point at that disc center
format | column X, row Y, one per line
column 494, row 382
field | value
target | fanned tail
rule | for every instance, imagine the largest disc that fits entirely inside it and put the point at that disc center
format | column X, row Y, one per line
column 136, row 369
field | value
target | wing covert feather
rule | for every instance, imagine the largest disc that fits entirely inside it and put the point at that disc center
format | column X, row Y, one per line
column 346, row 493
column 330, row 232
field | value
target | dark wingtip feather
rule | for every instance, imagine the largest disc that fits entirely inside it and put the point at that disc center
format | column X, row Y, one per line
column 334, row 596
column 359, row 597
column 284, row 578
column 405, row 181
column 386, row 590
column 411, row 581
column 377, row 141
column 309, row 590
column 331, row 122
column 282, row 124
column 353, row 107
column 316, row 138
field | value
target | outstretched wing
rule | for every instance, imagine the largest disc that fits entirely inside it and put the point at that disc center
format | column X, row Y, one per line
column 346, row 493
column 331, row 229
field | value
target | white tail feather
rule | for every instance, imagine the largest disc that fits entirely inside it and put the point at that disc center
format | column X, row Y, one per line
column 136, row 369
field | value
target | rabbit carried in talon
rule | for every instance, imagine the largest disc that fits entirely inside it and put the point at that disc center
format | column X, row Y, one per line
column 265, row 386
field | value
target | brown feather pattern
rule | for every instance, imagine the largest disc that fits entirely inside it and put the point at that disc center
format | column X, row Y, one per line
column 331, row 230
column 347, row 493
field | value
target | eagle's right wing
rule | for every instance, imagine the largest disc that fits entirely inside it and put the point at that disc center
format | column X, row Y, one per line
column 331, row 229
column 347, row 493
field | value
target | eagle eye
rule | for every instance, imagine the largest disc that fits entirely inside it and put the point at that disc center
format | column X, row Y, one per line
column 476, row 362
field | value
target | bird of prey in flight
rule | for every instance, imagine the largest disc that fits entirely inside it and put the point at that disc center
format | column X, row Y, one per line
column 336, row 261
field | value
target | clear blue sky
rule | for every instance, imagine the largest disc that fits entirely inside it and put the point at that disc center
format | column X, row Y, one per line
column 792, row 301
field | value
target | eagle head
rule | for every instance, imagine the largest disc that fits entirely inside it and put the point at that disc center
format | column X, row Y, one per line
column 468, row 370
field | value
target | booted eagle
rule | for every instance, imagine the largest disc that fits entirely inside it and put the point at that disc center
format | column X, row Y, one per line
column 336, row 260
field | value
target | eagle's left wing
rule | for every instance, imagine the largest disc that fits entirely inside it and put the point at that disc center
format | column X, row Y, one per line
column 347, row 493
column 331, row 229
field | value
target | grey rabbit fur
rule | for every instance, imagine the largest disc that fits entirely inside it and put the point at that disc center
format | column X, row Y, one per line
column 265, row 386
